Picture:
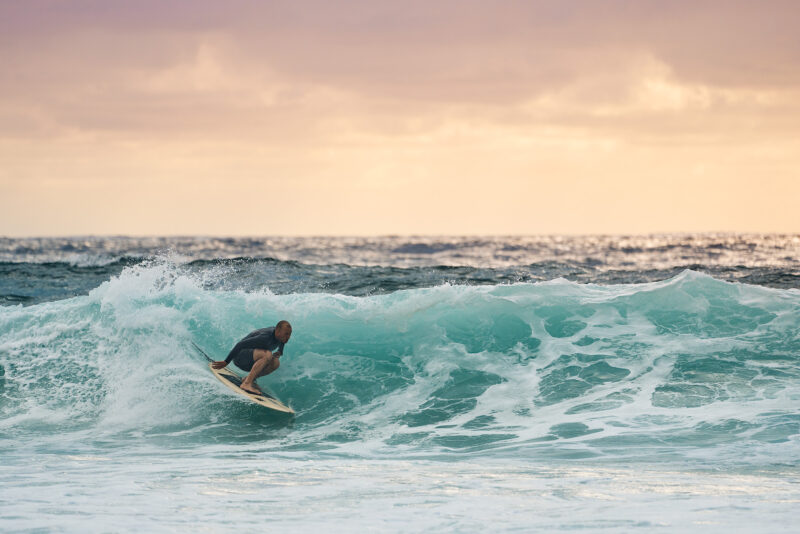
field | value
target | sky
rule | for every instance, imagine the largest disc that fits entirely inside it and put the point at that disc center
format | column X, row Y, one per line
column 372, row 118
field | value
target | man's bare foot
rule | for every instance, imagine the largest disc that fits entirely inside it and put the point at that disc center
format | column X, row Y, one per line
column 251, row 388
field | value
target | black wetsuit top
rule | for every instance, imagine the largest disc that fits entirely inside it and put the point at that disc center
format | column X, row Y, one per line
column 263, row 338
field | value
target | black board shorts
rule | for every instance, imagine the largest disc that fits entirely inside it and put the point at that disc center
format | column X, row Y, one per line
column 244, row 359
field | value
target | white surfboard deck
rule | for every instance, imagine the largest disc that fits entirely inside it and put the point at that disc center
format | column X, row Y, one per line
column 233, row 381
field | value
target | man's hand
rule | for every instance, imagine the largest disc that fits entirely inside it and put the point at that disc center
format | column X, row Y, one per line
column 219, row 365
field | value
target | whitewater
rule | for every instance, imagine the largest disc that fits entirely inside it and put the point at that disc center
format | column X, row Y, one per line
column 439, row 384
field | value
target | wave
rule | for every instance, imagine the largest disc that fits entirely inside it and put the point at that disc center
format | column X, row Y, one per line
column 545, row 369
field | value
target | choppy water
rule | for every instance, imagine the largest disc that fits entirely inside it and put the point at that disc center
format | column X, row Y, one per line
column 450, row 384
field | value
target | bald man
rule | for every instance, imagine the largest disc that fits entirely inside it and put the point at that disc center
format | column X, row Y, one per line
column 256, row 354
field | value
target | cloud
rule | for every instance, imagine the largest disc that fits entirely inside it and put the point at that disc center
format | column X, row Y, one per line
column 363, row 101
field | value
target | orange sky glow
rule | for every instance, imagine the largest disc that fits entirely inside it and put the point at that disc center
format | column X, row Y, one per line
column 365, row 118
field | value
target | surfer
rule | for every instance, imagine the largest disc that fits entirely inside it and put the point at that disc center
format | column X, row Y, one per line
column 256, row 353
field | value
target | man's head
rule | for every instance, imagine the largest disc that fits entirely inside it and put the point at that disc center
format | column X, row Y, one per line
column 283, row 331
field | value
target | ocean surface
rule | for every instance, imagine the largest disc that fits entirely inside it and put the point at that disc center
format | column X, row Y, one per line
column 441, row 384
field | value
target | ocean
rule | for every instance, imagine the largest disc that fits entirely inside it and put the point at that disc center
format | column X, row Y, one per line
column 440, row 384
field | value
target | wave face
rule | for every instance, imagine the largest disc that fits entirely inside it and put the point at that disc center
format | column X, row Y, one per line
column 690, row 367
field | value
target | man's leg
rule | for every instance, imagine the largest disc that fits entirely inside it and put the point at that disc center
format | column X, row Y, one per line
column 271, row 366
column 261, row 358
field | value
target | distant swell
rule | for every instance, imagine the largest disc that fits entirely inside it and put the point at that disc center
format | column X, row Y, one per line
column 33, row 283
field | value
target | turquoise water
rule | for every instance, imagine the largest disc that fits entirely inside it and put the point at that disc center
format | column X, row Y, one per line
column 451, row 405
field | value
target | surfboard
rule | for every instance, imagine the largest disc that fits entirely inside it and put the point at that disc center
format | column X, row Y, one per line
column 234, row 381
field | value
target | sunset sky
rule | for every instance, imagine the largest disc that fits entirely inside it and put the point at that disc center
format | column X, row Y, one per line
column 360, row 118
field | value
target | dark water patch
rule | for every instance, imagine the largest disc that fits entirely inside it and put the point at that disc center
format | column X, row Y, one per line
column 423, row 248
column 718, row 321
column 778, row 428
column 572, row 430
column 572, row 375
column 739, row 375
column 33, row 283
column 482, row 421
column 16, row 299
column 479, row 331
column 458, row 395
column 610, row 402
